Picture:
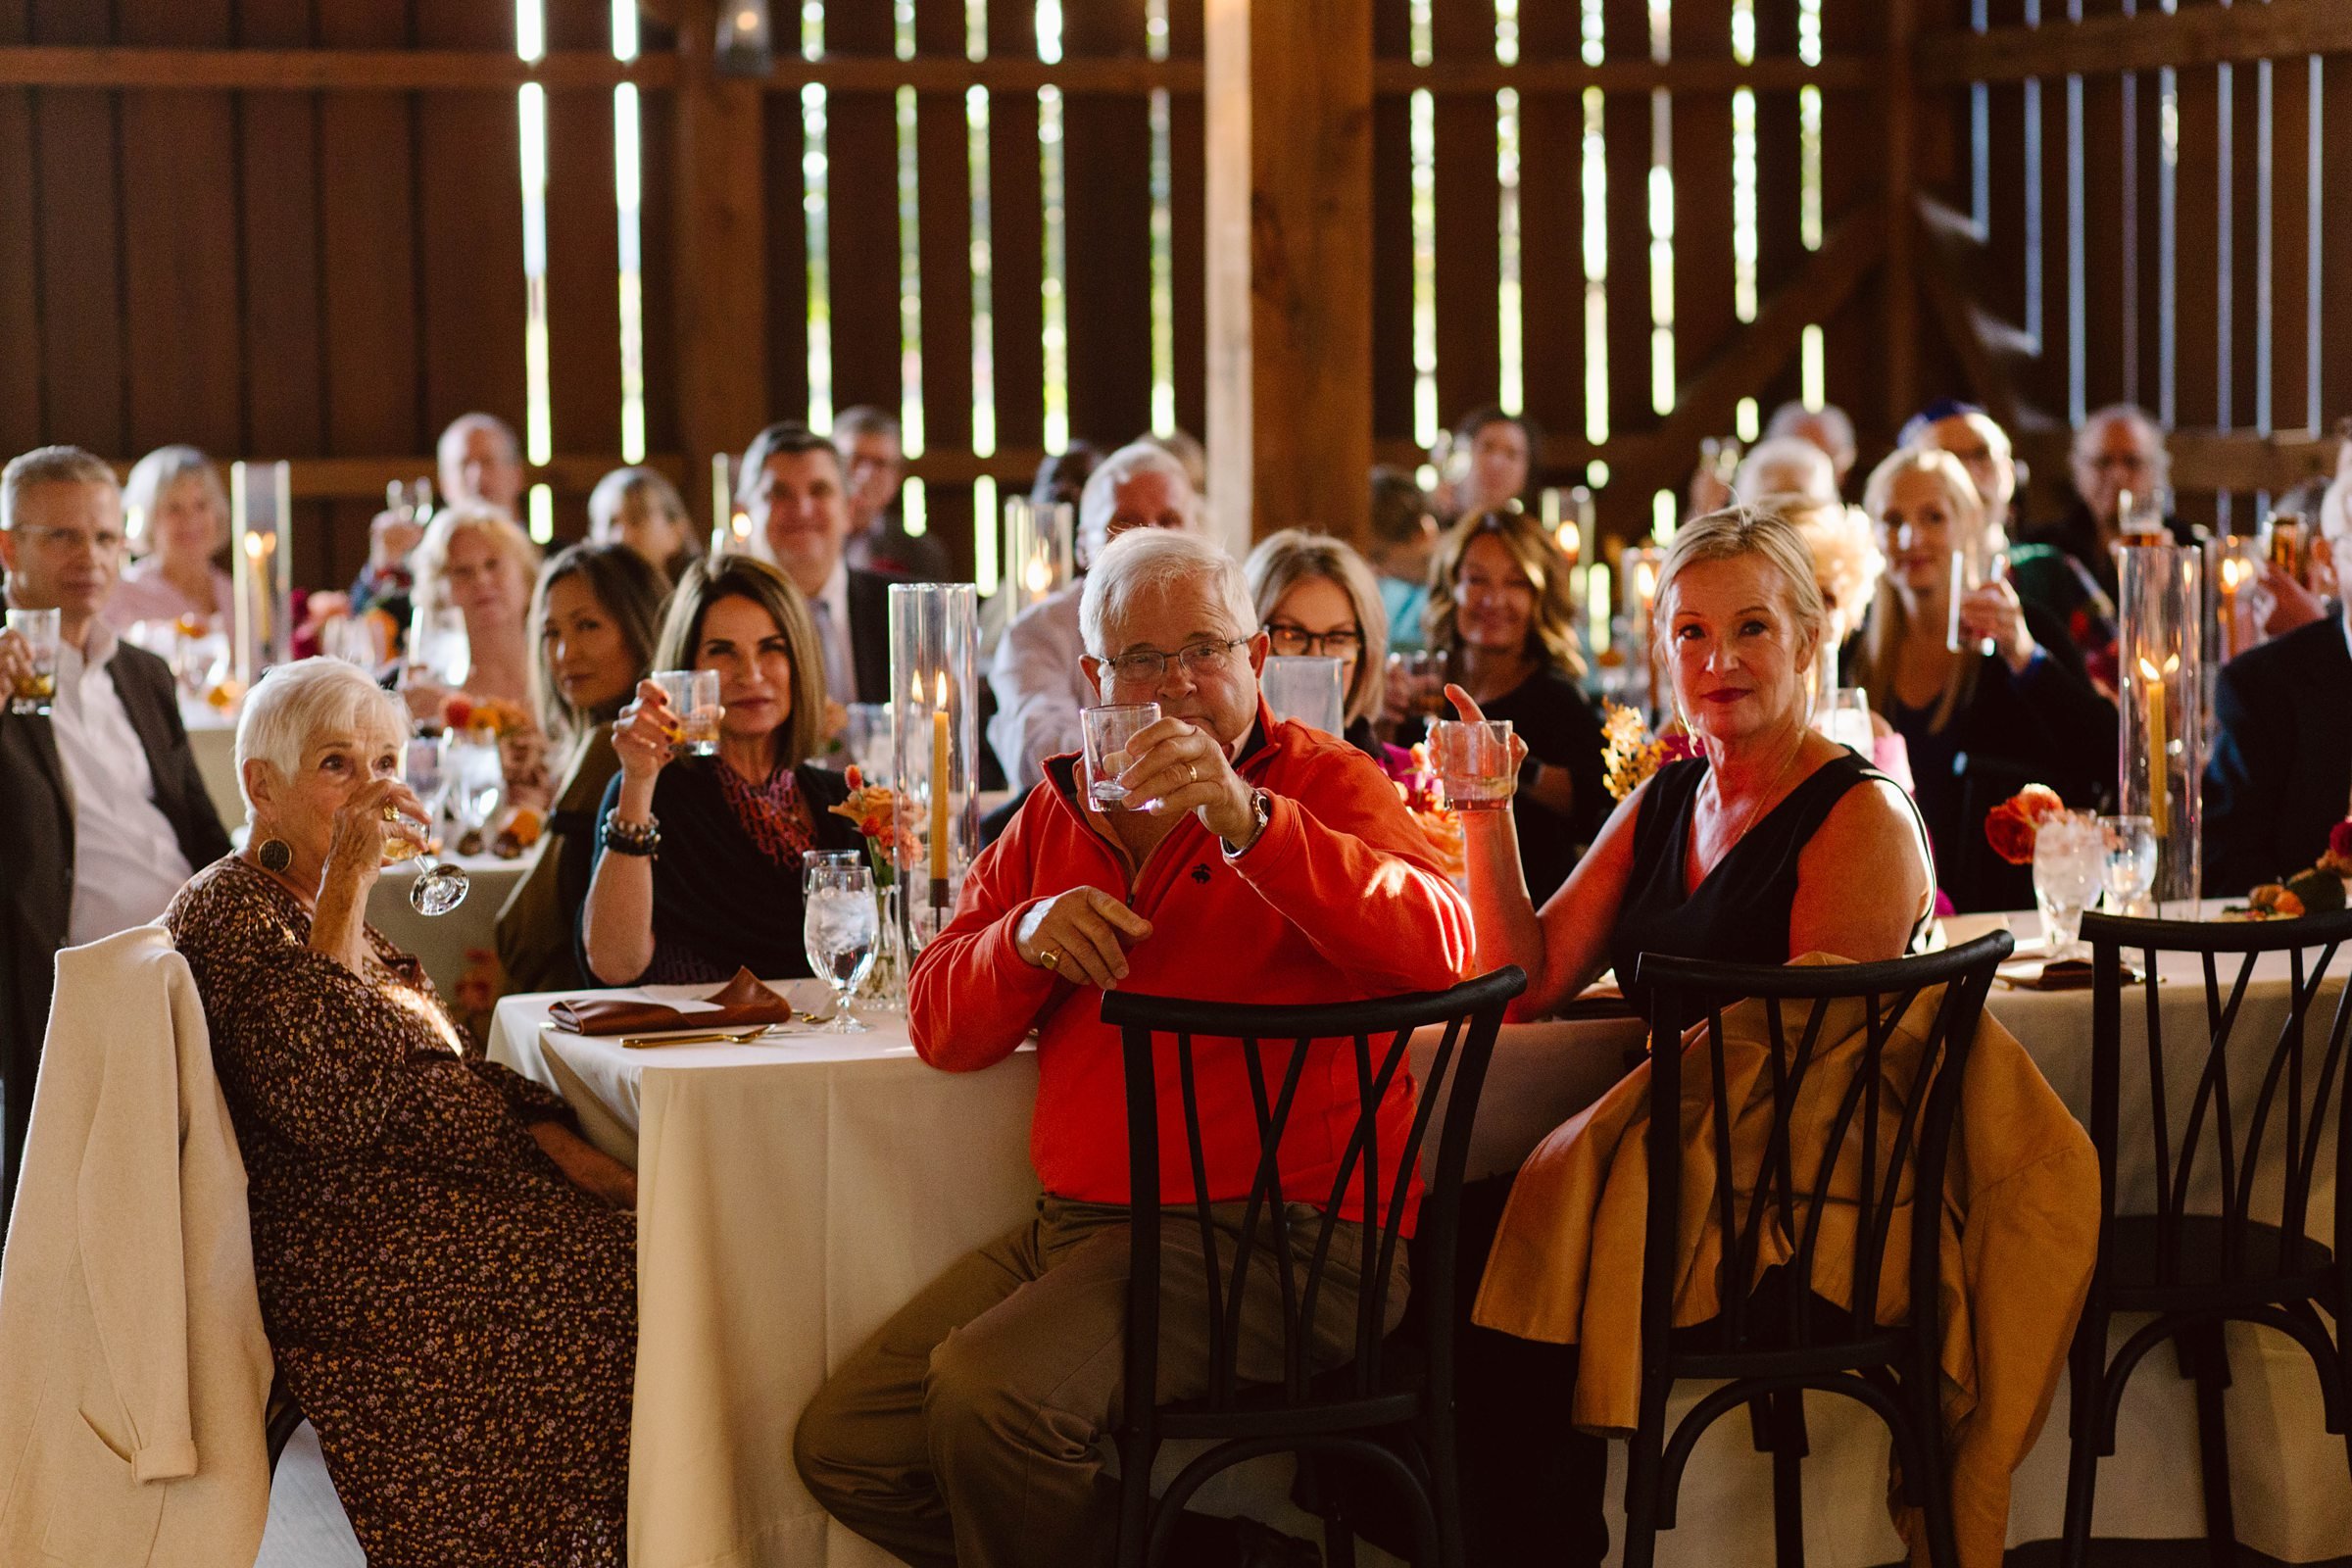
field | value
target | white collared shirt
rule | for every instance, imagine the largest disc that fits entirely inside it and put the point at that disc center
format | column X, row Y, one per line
column 833, row 631
column 126, row 859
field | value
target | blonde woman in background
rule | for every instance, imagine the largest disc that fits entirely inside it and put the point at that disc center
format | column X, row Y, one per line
column 1500, row 611
column 175, row 514
column 641, row 509
column 2021, row 714
column 474, row 570
column 1315, row 596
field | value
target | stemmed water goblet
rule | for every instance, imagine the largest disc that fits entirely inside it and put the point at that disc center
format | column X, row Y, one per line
column 840, row 926
column 2070, row 868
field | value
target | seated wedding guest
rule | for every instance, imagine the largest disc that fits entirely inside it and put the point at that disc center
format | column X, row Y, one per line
column 1828, row 427
column 1036, row 674
column 102, row 812
column 447, row 1270
column 1494, row 462
column 2022, row 712
column 795, row 487
column 477, row 567
column 595, row 616
column 175, row 509
column 641, row 509
column 1404, row 540
column 698, row 870
column 1500, row 609
column 1750, row 853
column 1784, row 466
column 1186, row 448
column 2281, row 773
column 1279, row 865
column 1060, row 480
column 873, row 464
column 1984, row 453
column 479, row 461
column 1846, row 566
column 1314, row 595
column 2068, row 568
column 2299, row 599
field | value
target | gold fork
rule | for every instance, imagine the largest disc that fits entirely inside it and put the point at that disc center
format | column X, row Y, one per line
column 727, row 1037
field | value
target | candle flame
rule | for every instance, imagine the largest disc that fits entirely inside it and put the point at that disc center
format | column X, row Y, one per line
column 2148, row 670
column 943, row 689
column 253, row 547
column 1572, row 541
column 1039, row 576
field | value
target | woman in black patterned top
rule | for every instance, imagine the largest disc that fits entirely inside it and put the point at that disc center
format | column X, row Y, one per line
column 699, row 869
column 447, row 1271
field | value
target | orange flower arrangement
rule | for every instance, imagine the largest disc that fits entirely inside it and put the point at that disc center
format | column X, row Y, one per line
column 2009, row 827
column 874, row 812
column 1631, row 754
column 500, row 717
column 1424, row 797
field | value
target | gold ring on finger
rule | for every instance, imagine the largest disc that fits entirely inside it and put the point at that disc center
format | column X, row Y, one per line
column 1192, row 772
column 1051, row 957
column 391, row 813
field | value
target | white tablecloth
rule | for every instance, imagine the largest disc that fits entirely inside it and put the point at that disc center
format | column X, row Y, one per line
column 793, row 1195
column 441, row 942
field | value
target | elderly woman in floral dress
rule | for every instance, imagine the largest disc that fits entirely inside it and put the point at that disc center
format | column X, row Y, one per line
column 447, row 1271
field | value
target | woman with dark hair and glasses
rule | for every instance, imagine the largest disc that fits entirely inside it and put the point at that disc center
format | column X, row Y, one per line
column 1315, row 596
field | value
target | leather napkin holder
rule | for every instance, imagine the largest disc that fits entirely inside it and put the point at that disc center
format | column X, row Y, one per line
column 741, row 1002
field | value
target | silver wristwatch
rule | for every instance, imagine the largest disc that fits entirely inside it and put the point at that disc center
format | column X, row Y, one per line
column 1261, row 806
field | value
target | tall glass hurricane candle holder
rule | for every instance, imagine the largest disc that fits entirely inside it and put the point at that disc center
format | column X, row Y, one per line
column 730, row 519
column 261, row 511
column 2160, row 665
column 1641, row 567
column 933, row 674
column 2234, row 583
column 1037, row 550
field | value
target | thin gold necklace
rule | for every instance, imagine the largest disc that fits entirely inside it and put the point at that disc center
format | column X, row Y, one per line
column 1756, row 811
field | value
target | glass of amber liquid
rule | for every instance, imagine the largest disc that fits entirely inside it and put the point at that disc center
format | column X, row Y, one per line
column 34, row 692
column 694, row 697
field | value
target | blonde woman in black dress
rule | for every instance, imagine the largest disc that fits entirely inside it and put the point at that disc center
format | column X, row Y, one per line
column 447, row 1271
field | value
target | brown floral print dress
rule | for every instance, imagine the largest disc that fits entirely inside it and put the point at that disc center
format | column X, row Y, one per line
column 457, row 1320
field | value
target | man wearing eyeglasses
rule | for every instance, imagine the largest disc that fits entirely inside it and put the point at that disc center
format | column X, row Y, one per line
column 1252, row 860
column 103, row 814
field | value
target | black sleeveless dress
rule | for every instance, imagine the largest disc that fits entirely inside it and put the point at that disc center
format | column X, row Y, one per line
column 1740, row 912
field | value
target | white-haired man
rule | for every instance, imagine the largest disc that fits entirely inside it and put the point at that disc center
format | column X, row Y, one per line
column 1036, row 676
column 103, row 814
column 1275, row 865
column 480, row 460
column 1786, row 465
column 1827, row 427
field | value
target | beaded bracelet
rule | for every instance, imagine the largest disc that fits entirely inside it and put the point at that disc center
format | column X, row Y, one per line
column 633, row 837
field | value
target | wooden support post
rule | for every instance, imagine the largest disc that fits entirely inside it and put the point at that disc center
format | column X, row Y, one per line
column 1898, row 281
column 1290, row 274
column 720, row 274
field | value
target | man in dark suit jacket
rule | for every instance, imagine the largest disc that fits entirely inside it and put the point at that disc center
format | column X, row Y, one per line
column 2281, row 769
column 102, row 810
column 794, row 487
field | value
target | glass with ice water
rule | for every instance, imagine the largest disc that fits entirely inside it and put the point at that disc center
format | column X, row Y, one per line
column 2130, row 843
column 694, row 697
column 1844, row 716
column 34, row 692
column 2070, row 868
column 841, row 926
column 1108, row 730
column 1473, row 759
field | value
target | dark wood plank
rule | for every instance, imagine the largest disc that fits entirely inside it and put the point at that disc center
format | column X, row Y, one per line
column 1780, row 183
column 2196, row 247
column 1391, row 238
column 2103, row 155
column 656, row 128
column 1017, row 241
column 21, row 391
column 1624, row 504
column 2198, row 35
column 1188, row 256
column 787, row 267
column 1853, row 154
column 1703, row 315
column 1469, row 219
column 583, row 273
column 2335, row 248
column 2292, row 220
column 944, row 178
column 1106, row 152
column 79, row 221
column 862, row 215
column 1551, row 249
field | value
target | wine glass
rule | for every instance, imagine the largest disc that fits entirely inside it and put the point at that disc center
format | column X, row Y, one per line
column 2130, row 843
column 474, row 779
column 840, row 928
column 2070, row 866
column 439, row 886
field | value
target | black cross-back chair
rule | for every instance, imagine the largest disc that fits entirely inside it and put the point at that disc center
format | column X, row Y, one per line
column 2193, row 1268
column 1393, row 1413
column 1769, row 1345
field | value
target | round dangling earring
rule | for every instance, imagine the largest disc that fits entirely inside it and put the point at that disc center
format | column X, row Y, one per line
column 275, row 854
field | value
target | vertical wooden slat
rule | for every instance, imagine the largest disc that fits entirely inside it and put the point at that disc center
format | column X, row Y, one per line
column 1469, row 216
column 2197, row 249
column 657, row 120
column 862, row 215
column 469, row 221
column 1551, row 249
column 369, row 266
column 83, row 348
column 787, row 253
column 2144, row 134
column 1626, row 123
column 583, row 258
column 2047, row 382
column 944, row 180
column 1852, row 157
column 2247, row 178
column 282, row 363
column 1392, row 237
column 1016, row 240
column 2335, row 252
column 2103, row 155
column 179, row 258
column 1188, row 197
column 20, row 416
column 1780, row 184
column 1703, row 317
column 718, row 170
column 1106, row 157
column 2291, row 219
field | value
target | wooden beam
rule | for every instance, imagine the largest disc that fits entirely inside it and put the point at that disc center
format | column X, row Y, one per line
column 1290, row 275
column 1958, row 316
column 314, row 69
column 2194, row 35
column 1486, row 78
column 1899, row 116
column 1707, row 405
column 719, row 277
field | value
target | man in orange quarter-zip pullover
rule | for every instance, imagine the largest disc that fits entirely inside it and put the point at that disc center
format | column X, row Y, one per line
column 1266, row 862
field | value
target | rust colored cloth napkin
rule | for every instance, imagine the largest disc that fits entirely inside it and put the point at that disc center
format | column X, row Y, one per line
column 739, row 1004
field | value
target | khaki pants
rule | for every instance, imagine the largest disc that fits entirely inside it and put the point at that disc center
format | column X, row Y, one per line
column 976, row 1428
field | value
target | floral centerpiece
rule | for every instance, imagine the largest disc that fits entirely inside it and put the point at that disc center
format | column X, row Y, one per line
column 2319, row 889
column 1630, row 754
column 873, row 810
column 1424, row 797
column 2011, row 826
column 488, row 719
